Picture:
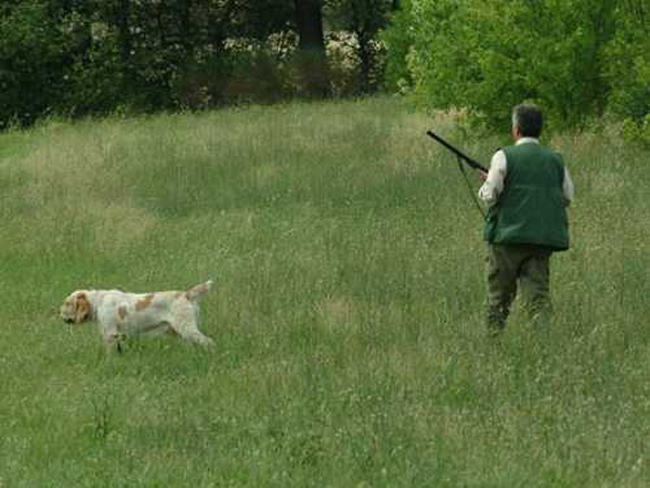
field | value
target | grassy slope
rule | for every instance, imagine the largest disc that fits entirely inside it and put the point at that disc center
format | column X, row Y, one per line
column 347, row 311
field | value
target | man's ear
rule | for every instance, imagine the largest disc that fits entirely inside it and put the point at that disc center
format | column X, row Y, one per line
column 81, row 308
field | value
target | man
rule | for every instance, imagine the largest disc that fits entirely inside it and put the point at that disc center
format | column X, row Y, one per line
column 527, row 190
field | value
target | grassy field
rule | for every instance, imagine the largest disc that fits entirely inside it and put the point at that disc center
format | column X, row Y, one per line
column 347, row 311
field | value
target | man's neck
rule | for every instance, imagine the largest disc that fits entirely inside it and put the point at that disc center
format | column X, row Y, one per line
column 526, row 140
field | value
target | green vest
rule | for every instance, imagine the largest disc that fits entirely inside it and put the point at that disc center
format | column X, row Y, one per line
column 530, row 210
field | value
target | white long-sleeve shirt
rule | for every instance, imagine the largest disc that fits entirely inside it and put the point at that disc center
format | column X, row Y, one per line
column 493, row 185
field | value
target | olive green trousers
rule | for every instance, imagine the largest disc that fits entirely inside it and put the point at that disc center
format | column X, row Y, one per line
column 513, row 266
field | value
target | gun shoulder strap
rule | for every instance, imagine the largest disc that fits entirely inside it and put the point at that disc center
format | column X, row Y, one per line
column 469, row 188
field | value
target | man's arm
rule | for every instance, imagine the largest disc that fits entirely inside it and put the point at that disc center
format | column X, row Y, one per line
column 494, row 180
column 568, row 190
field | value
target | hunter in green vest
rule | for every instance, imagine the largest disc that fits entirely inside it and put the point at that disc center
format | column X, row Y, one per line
column 527, row 190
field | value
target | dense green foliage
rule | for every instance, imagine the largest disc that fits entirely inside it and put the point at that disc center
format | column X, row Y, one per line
column 628, row 67
column 347, row 309
column 398, row 39
column 578, row 58
column 582, row 60
column 79, row 57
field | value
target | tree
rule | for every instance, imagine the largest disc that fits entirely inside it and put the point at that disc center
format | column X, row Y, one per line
column 398, row 37
column 309, row 24
column 364, row 18
column 311, row 58
column 628, row 66
column 38, row 46
column 487, row 55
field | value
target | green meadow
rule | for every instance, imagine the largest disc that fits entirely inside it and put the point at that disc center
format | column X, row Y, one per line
column 347, row 309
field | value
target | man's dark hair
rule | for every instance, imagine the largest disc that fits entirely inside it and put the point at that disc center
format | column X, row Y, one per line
column 528, row 118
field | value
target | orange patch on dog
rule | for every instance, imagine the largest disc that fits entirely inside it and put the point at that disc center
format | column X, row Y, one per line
column 121, row 311
column 82, row 308
column 145, row 302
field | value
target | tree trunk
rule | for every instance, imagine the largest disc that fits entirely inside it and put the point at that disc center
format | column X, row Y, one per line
column 122, row 13
column 311, row 58
column 121, row 17
column 310, row 25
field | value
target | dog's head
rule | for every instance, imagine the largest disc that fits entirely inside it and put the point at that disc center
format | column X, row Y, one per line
column 76, row 308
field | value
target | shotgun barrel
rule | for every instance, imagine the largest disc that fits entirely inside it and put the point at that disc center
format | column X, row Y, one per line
column 471, row 162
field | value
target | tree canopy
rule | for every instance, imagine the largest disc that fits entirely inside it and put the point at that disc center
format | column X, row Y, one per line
column 580, row 59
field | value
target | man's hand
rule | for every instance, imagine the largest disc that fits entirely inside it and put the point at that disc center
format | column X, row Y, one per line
column 482, row 175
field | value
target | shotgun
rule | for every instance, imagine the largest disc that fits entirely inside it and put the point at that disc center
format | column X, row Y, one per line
column 461, row 156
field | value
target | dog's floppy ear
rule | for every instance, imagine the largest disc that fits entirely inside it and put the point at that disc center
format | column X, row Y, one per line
column 81, row 308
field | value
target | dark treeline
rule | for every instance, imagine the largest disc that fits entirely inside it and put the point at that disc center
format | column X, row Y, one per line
column 83, row 57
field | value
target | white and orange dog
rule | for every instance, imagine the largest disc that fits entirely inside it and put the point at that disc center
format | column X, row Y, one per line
column 120, row 314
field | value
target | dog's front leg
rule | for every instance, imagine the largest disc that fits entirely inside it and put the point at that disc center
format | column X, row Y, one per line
column 113, row 341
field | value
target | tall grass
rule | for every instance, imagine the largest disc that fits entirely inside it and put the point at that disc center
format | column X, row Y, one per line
column 348, row 309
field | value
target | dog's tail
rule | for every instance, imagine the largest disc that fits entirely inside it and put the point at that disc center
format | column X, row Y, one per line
column 194, row 293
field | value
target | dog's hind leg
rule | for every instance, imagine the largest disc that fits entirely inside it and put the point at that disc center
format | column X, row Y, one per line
column 198, row 338
column 185, row 323
column 189, row 331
